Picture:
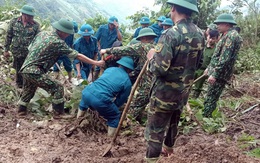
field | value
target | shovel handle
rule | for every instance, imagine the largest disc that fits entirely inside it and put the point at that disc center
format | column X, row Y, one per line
column 129, row 101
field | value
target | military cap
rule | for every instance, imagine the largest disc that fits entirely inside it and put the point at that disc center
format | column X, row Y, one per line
column 64, row 25
column 86, row 30
column 127, row 62
column 188, row 4
column 168, row 21
column 28, row 10
column 145, row 20
column 75, row 26
column 225, row 18
column 133, row 41
column 212, row 26
column 161, row 18
column 112, row 19
column 145, row 32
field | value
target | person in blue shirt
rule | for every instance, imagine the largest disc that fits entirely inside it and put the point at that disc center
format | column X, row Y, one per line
column 157, row 28
column 87, row 45
column 108, row 93
column 167, row 23
column 106, row 35
column 64, row 58
column 144, row 21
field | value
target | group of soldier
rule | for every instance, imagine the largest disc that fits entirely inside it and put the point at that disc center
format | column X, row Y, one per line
column 176, row 52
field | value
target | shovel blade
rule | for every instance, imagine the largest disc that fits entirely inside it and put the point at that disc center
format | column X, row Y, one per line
column 107, row 151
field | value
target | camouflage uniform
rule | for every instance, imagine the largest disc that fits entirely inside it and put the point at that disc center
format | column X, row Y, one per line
column 44, row 51
column 18, row 39
column 178, row 53
column 221, row 67
column 139, row 51
column 207, row 54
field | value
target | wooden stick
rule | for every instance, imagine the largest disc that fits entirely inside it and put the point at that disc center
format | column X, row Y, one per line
column 126, row 108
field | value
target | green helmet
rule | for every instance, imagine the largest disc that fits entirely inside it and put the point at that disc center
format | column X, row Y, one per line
column 188, row 4
column 28, row 10
column 225, row 18
column 64, row 25
column 145, row 32
column 133, row 41
column 212, row 26
column 127, row 62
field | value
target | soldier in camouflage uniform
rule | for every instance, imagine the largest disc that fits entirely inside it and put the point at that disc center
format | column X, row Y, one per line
column 222, row 63
column 44, row 51
column 20, row 33
column 173, row 63
column 212, row 39
column 138, row 50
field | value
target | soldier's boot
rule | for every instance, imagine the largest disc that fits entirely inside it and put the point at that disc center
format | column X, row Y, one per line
column 152, row 160
column 80, row 113
column 56, row 75
column 111, row 131
column 70, row 76
column 22, row 110
column 58, row 108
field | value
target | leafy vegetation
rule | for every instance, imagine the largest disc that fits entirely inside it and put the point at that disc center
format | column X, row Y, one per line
column 248, row 61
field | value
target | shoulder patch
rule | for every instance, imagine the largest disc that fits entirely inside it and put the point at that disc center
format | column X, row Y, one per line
column 228, row 42
column 158, row 47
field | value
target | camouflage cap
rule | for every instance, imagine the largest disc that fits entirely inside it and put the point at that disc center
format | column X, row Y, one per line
column 212, row 26
column 64, row 25
column 28, row 10
column 188, row 4
column 133, row 41
column 225, row 18
column 145, row 32
column 127, row 62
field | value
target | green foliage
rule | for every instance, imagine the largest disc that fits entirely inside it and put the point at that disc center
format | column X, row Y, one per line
column 248, row 59
column 10, row 9
column 254, row 153
column 137, row 16
column 214, row 124
column 96, row 21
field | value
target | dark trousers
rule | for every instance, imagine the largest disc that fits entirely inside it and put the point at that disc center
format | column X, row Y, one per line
column 17, row 64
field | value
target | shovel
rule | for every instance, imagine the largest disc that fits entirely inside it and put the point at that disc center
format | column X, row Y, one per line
column 109, row 147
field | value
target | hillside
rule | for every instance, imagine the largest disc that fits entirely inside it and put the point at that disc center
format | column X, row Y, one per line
column 79, row 10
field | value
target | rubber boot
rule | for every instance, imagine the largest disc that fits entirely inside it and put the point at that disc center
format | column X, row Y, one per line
column 152, row 160
column 111, row 131
column 22, row 110
column 58, row 108
column 70, row 76
column 80, row 113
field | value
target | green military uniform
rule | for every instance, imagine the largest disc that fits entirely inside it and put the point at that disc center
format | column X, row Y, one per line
column 173, row 65
column 207, row 54
column 138, row 51
column 44, row 51
column 222, row 63
column 18, row 39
